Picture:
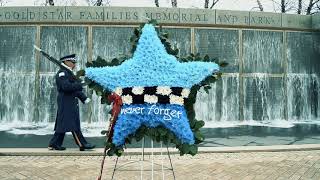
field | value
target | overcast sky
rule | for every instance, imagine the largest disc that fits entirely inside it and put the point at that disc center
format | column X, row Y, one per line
column 245, row 5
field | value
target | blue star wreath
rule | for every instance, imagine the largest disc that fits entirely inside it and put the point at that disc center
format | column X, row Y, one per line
column 158, row 92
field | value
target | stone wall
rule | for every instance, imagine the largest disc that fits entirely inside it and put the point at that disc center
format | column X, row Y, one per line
column 273, row 71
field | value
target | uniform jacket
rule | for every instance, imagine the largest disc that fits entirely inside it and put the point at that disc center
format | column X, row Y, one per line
column 69, row 91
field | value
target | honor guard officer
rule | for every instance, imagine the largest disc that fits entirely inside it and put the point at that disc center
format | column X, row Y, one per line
column 68, row 119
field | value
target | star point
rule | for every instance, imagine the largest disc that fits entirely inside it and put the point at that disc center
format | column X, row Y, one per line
column 153, row 69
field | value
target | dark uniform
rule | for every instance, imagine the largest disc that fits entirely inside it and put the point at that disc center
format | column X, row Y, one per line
column 68, row 119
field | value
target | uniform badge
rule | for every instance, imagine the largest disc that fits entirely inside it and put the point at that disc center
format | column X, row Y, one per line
column 61, row 74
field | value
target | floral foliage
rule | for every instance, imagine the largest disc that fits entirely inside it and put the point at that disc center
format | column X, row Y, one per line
column 154, row 65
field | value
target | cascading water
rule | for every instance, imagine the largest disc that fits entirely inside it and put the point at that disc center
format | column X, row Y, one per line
column 272, row 95
column 17, row 77
column 303, row 95
column 249, row 93
column 303, row 87
column 220, row 107
column 264, row 99
column 17, row 98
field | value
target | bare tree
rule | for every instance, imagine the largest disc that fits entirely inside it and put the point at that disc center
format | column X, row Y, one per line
column 91, row 2
column 156, row 2
column 47, row 3
column 284, row 5
column 206, row 3
column 260, row 5
column 3, row 2
column 299, row 6
column 99, row 3
column 309, row 7
column 313, row 7
column 51, row 3
column 174, row 3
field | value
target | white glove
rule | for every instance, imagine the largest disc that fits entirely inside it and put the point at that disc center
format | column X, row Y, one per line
column 83, row 83
column 87, row 100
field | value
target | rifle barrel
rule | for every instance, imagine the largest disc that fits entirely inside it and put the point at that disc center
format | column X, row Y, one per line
column 52, row 59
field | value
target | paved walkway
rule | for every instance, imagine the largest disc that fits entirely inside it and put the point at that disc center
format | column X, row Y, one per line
column 220, row 166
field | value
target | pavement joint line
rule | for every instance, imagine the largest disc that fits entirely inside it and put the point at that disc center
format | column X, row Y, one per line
column 137, row 151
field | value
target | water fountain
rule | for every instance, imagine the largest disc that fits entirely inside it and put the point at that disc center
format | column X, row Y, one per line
column 272, row 80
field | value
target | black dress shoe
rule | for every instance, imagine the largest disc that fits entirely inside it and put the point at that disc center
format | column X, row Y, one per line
column 87, row 146
column 58, row 148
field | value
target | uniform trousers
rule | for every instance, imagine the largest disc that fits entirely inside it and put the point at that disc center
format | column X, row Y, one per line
column 57, row 139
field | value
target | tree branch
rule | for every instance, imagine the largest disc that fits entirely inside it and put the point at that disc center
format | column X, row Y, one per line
column 260, row 5
column 284, row 5
column 299, row 6
column 3, row 2
column 174, row 3
column 99, row 3
column 51, row 3
column 206, row 4
column 214, row 3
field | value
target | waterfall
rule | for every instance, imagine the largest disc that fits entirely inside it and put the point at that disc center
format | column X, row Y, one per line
column 303, row 96
column 267, row 83
column 16, row 98
column 264, row 98
column 47, row 98
column 225, row 107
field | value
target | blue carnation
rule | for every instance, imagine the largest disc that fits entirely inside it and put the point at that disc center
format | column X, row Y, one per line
column 151, row 65
column 129, row 123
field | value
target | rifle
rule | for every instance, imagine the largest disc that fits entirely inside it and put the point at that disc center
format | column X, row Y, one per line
column 56, row 62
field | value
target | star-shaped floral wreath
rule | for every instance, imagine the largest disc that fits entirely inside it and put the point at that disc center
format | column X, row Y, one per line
column 156, row 94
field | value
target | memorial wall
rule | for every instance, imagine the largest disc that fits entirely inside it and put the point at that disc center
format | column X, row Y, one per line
column 272, row 76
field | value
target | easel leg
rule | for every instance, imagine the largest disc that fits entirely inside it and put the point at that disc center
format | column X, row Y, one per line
column 143, row 142
column 141, row 162
column 174, row 177
column 153, row 162
column 114, row 169
column 162, row 159
column 152, row 159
